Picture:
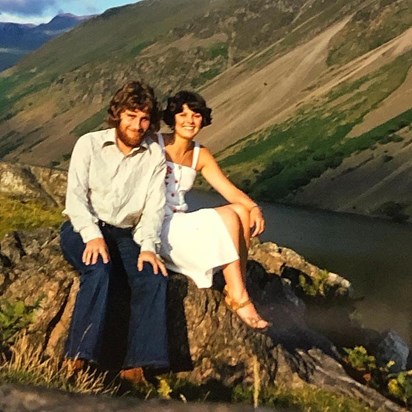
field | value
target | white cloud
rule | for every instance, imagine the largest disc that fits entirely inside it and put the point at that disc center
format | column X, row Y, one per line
column 13, row 18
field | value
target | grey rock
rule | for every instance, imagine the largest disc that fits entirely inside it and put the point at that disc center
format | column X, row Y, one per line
column 16, row 398
column 392, row 348
column 33, row 182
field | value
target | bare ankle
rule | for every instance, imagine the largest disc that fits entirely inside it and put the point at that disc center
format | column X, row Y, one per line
column 238, row 294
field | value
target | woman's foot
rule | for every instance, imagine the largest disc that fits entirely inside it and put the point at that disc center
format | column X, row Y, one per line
column 246, row 311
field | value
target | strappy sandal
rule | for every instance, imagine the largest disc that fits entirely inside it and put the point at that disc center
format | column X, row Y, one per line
column 250, row 321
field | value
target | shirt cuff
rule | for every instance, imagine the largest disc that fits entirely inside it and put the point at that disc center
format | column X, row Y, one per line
column 149, row 245
column 90, row 232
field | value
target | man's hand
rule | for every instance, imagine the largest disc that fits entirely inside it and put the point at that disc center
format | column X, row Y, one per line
column 150, row 257
column 94, row 248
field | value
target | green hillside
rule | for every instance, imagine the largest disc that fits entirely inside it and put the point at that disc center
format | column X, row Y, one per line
column 222, row 47
column 288, row 155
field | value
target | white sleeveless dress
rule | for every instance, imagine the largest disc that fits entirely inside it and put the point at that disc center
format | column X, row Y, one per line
column 195, row 244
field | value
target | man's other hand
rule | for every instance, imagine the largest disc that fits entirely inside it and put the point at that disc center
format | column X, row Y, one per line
column 150, row 257
column 94, row 248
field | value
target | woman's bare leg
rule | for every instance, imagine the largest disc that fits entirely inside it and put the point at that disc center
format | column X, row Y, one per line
column 244, row 240
column 234, row 272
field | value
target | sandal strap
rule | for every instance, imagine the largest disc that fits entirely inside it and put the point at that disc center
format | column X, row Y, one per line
column 235, row 306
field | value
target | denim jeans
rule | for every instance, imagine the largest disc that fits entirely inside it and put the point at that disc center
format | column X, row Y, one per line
column 147, row 335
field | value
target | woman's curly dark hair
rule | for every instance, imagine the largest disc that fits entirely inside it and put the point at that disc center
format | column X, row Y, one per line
column 194, row 101
column 134, row 96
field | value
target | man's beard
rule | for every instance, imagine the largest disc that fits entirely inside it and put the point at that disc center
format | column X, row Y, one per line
column 128, row 141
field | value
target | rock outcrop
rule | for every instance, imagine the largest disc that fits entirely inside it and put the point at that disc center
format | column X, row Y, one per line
column 309, row 309
column 207, row 342
column 33, row 182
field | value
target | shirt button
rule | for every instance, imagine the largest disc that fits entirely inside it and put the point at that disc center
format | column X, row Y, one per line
column 172, row 194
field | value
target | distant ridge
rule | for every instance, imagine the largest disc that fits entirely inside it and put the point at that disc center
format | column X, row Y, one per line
column 17, row 40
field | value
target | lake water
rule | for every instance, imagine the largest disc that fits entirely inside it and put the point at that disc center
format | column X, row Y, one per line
column 374, row 255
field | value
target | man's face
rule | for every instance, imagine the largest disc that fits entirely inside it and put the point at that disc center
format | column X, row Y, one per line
column 132, row 127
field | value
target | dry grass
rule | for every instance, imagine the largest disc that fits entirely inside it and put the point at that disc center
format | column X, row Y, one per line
column 28, row 365
column 256, row 382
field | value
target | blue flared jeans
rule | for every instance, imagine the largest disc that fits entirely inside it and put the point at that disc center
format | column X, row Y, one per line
column 147, row 335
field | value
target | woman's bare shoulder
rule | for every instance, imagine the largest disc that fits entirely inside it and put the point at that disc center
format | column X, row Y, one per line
column 205, row 157
column 206, row 151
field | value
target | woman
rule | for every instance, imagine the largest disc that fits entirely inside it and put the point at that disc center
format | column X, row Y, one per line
column 197, row 244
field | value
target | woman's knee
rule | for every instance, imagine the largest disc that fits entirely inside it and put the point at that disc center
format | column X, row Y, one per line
column 229, row 215
column 241, row 211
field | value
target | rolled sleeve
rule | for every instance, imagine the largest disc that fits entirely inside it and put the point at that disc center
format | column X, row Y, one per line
column 154, row 210
column 77, row 206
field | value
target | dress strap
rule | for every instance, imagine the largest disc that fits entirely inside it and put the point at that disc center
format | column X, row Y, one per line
column 196, row 151
column 161, row 141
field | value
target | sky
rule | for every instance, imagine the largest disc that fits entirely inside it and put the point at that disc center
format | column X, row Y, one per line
column 42, row 11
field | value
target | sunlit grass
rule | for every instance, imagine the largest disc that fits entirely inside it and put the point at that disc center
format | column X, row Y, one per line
column 17, row 214
column 305, row 398
column 28, row 365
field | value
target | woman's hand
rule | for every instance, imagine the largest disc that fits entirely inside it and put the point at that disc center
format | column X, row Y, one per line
column 150, row 257
column 257, row 221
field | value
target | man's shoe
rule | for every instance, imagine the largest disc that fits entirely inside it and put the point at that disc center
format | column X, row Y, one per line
column 133, row 375
column 74, row 365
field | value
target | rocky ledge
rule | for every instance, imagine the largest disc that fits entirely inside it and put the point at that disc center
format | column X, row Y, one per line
column 207, row 342
column 310, row 310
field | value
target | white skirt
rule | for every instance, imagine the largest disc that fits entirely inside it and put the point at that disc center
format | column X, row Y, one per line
column 197, row 244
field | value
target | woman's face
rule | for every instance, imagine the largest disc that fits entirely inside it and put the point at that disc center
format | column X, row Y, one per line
column 187, row 123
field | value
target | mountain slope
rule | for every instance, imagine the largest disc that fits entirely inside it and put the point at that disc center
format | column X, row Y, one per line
column 365, row 107
column 297, row 88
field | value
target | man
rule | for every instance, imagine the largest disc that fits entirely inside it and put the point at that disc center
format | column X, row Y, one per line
column 115, row 203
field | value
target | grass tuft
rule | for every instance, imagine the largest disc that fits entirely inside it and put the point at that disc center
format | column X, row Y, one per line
column 28, row 365
column 17, row 214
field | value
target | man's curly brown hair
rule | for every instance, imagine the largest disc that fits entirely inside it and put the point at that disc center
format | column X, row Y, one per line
column 134, row 95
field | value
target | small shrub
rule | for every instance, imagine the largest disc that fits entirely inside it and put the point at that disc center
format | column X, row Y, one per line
column 395, row 385
column 316, row 285
column 400, row 386
column 14, row 316
column 360, row 360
